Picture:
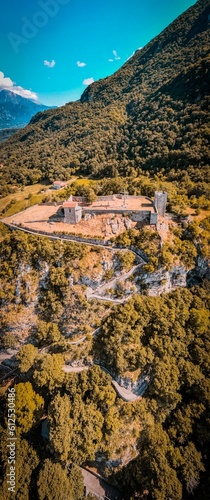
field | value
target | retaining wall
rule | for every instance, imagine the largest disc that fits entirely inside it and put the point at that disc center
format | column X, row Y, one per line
column 62, row 236
column 137, row 216
column 153, row 218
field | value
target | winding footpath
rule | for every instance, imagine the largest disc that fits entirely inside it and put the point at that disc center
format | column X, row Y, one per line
column 79, row 241
column 51, row 236
column 124, row 393
column 96, row 294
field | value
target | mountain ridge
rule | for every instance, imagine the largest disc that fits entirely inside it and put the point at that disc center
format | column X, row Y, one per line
column 158, row 43
column 151, row 114
column 16, row 111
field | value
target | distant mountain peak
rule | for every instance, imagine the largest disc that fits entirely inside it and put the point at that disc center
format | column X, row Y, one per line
column 17, row 111
column 151, row 114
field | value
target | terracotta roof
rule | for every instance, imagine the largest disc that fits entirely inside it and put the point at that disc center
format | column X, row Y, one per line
column 70, row 204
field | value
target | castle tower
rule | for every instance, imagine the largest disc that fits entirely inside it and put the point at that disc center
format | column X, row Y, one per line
column 160, row 202
column 72, row 212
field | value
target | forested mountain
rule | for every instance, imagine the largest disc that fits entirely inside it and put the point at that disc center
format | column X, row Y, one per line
column 140, row 130
column 7, row 132
column 16, row 111
column 151, row 114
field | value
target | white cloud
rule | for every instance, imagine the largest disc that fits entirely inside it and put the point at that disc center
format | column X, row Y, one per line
column 49, row 64
column 111, row 60
column 81, row 64
column 117, row 58
column 88, row 81
column 8, row 84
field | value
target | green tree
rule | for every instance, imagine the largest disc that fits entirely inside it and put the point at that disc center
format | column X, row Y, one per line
column 126, row 259
column 86, row 432
column 153, row 466
column 60, row 425
column 26, row 462
column 48, row 371
column 76, row 482
column 165, row 385
column 26, row 357
column 9, row 340
column 54, row 482
column 47, row 333
column 199, row 319
column 29, row 407
column 191, row 468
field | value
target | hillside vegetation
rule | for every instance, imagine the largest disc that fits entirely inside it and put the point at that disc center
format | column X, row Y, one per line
column 152, row 114
column 164, row 435
column 142, row 129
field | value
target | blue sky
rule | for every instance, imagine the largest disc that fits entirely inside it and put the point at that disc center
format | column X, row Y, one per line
column 51, row 49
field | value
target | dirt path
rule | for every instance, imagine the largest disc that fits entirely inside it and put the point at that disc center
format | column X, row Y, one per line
column 108, row 299
column 124, row 393
column 74, row 369
column 111, row 284
column 83, row 241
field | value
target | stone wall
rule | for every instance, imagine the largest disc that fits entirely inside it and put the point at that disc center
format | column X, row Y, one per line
column 143, row 216
column 111, row 197
column 146, row 216
column 139, row 216
column 153, row 218
column 60, row 236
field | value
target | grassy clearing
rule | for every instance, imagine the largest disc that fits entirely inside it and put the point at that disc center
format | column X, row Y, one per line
column 26, row 197
column 202, row 215
column 22, row 194
column 85, row 182
column 21, row 205
column 21, row 198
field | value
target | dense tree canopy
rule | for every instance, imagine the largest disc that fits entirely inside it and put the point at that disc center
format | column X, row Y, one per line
column 54, row 482
column 29, row 407
column 150, row 115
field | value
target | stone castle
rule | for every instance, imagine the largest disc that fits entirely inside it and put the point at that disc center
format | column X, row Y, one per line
column 138, row 208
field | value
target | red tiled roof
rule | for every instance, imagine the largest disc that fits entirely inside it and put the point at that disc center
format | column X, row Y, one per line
column 69, row 204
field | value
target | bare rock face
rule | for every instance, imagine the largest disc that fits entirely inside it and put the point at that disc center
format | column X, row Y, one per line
column 139, row 387
column 163, row 281
column 200, row 272
column 92, row 283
